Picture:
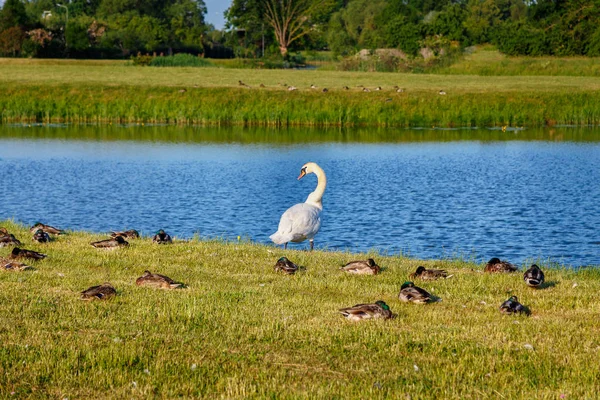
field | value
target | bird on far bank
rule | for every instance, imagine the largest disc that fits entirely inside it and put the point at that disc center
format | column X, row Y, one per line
column 534, row 276
column 497, row 265
column 429, row 274
column 368, row 267
column 46, row 228
column 366, row 90
column 112, row 243
column 285, row 265
column 346, row 88
column 361, row 312
column 442, row 92
column 313, row 87
column 41, row 237
column 292, row 88
column 100, row 292
column 325, row 90
column 414, row 294
column 161, row 237
column 157, row 281
column 303, row 220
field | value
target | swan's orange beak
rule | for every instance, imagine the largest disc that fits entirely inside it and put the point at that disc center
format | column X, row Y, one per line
column 302, row 173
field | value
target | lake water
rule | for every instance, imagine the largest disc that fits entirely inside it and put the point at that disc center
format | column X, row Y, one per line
column 529, row 195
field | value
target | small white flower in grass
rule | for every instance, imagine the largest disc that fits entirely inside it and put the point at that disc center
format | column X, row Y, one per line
column 117, row 340
column 61, row 274
column 147, row 371
column 416, row 368
column 261, row 284
column 528, row 346
column 134, row 384
column 464, row 306
column 575, row 285
column 516, row 322
column 194, row 366
column 483, row 302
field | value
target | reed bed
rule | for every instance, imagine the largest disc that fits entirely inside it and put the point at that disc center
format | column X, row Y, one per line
column 240, row 330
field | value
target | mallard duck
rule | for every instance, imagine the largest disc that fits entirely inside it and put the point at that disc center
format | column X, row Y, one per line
column 378, row 88
column 9, row 240
column 512, row 306
column 12, row 265
column 497, row 265
column 412, row 293
column 46, row 228
column 162, row 237
column 261, row 85
column 368, row 267
column 534, row 276
column 399, row 90
column 292, row 88
column 442, row 93
column 157, row 281
column 367, row 311
column 3, row 231
column 366, row 90
column 112, row 243
column 325, row 90
column 428, row 274
column 346, row 88
column 41, row 237
column 313, row 87
column 241, row 83
column 130, row 234
column 285, row 265
column 23, row 253
column 100, row 292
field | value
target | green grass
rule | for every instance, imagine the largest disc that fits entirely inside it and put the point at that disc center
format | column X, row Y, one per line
column 113, row 92
column 242, row 331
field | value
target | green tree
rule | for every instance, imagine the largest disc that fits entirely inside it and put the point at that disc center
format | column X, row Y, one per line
column 11, row 41
column 482, row 17
column 13, row 13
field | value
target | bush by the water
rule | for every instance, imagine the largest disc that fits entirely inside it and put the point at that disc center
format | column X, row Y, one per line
column 179, row 60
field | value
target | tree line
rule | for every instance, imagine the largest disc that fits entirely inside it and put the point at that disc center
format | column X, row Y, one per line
column 119, row 28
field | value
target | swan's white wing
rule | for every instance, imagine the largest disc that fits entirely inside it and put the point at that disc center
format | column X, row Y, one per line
column 300, row 222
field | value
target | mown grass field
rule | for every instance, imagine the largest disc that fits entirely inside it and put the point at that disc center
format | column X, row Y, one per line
column 240, row 330
column 111, row 92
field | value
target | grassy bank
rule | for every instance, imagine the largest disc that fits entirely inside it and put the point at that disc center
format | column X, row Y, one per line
column 86, row 92
column 242, row 331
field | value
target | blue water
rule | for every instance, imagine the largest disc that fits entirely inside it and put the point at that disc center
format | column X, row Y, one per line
column 519, row 200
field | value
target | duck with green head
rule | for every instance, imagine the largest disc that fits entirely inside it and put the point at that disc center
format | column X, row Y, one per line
column 161, row 237
column 360, row 312
column 414, row 294
column 286, row 266
column 41, row 237
column 367, row 267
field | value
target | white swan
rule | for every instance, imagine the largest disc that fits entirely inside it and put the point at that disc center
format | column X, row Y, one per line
column 302, row 221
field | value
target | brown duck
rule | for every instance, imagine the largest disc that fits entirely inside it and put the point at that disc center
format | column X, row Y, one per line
column 112, row 243
column 9, row 240
column 18, row 253
column 368, row 267
column 100, row 292
column 157, row 281
column 497, row 265
column 130, row 234
column 46, row 228
column 428, row 274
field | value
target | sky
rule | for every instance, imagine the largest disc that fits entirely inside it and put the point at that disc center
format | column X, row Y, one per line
column 213, row 16
column 215, row 12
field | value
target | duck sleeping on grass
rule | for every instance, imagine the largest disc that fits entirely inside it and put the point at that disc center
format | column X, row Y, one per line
column 512, row 306
column 534, row 276
column 46, row 228
column 12, row 265
column 360, row 312
column 368, row 267
column 286, row 266
column 112, row 243
column 429, row 274
column 157, row 281
column 41, row 237
column 497, row 265
column 9, row 240
column 414, row 294
column 100, row 292
column 162, row 237
column 18, row 253
column 130, row 234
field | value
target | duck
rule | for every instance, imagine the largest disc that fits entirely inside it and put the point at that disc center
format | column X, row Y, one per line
column 130, row 234
column 411, row 293
column 442, row 93
column 23, row 253
column 399, row 90
column 345, row 88
column 12, row 265
column 157, row 281
column 241, row 83
column 325, row 90
column 366, row 90
column 360, row 312
column 100, row 292
column 313, row 87
column 41, row 237
column 428, row 274
column 378, row 88
column 285, row 265
column 262, row 85
column 3, row 231
column 512, row 306
column 46, row 228
column 9, row 240
column 303, row 220
column 162, row 237
column 368, row 267
column 497, row 265
column 534, row 276
column 292, row 88
column 112, row 243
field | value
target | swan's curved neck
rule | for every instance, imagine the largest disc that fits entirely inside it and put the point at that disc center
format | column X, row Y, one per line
column 315, row 197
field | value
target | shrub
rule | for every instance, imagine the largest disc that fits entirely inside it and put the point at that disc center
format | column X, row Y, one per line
column 179, row 60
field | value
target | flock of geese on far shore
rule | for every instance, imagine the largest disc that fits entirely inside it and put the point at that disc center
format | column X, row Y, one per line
column 292, row 88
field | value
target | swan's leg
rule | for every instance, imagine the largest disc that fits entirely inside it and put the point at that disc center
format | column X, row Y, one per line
column 285, row 246
column 312, row 244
